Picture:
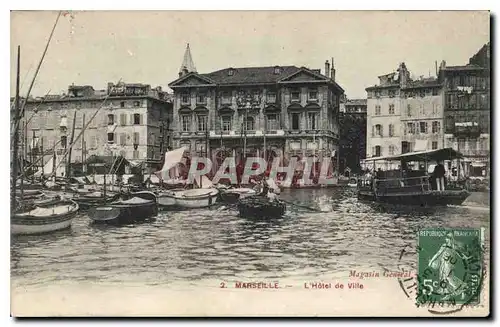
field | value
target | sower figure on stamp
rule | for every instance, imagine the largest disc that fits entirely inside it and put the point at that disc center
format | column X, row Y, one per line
column 439, row 173
column 444, row 262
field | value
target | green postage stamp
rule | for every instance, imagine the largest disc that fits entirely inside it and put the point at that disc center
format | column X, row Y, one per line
column 450, row 266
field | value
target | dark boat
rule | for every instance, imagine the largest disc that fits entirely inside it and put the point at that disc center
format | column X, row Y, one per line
column 139, row 207
column 94, row 199
column 411, row 187
column 261, row 207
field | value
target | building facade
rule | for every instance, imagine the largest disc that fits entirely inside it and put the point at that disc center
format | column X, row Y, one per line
column 131, row 120
column 352, row 123
column 404, row 114
column 467, row 111
column 277, row 111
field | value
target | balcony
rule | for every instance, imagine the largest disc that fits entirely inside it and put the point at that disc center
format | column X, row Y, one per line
column 475, row 153
column 249, row 134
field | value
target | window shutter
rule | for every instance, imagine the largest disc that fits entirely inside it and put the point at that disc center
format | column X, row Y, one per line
column 381, row 130
column 141, row 121
column 131, row 119
column 373, row 130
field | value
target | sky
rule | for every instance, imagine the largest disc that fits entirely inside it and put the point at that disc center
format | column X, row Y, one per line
column 97, row 47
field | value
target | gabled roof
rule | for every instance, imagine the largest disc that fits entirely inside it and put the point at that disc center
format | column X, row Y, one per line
column 201, row 77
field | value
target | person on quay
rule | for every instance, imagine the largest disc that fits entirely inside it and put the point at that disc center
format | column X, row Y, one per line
column 439, row 173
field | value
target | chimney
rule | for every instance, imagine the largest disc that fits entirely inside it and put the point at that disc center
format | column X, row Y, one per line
column 443, row 65
column 327, row 68
column 332, row 74
column 436, row 64
column 403, row 74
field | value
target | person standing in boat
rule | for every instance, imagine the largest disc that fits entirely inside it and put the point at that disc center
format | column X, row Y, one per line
column 439, row 173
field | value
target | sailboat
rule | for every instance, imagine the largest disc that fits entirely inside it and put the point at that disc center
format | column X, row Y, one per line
column 28, row 218
column 202, row 196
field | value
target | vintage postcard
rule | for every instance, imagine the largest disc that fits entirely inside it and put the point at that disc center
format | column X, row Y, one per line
column 250, row 163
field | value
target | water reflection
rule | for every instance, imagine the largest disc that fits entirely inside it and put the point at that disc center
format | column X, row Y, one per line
column 337, row 233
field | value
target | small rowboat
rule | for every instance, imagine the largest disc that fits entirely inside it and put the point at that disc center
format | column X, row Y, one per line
column 232, row 195
column 261, row 207
column 188, row 199
column 353, row 182
column 93, row 199
column 44, row 219
column 139, row 207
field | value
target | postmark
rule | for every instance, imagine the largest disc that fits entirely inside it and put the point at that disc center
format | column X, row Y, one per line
column 450, row 266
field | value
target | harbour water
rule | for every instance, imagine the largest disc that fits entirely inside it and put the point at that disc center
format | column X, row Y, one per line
column 213, row 246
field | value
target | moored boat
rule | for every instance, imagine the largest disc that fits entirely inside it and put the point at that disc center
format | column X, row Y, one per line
column 139, row 207
column 195, row 198
column 261, row 207
column 412, row 187
column 232, row 195
column 44, row 219
column 94, row 199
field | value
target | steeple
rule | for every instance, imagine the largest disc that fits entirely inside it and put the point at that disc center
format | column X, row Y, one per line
column 187, row 63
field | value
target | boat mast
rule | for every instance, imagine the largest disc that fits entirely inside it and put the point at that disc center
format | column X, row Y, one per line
column 68, row 166
column 16, row 136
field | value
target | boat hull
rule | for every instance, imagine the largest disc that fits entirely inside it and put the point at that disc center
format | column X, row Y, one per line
column 188, row 199
column 433, row 198
column 124, row 212
column 86, row 203
column 260, row 207
column 22, row 224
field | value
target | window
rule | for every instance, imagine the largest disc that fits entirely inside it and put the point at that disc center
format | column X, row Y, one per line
column 461, row 144
column 137, row 119
column 202, row 123
column 122, row 104
column 250, row 124
column 377, row 110
column 123, row 119
column 64, row 141
column 295, row 121
column 185, row 123
column 201, row 98
column 312, row 120
column 435, row 91
column 137, row 103
column 391, row 109
column 185, row 98
column 408, row 110
column 111, row 119
column 271, row 97
column 123, row 139
column 434, row 145
column 391, row 130
column 391, row 150
column 411, row 128
column 226, row 97
column 230, row 72
column 277, row 70
column 313, row 95
column 423, row 127
column 378, row 151
column 378, row 130
column 111, row 137
column 295, row 94
column 272, row 122
column 436, row 127
column 135, row 154
column 136, row 138
column 226, row 123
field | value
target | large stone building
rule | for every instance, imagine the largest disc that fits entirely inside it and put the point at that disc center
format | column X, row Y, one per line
column 467, row 111
column 404, row 114
column 352, row 123
column 132, row 120
column 276, row 111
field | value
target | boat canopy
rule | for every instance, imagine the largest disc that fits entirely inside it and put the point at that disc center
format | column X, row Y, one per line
column 429, row 155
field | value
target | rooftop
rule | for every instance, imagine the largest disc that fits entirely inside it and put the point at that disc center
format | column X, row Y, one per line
column 356, row 102
column 251, row 75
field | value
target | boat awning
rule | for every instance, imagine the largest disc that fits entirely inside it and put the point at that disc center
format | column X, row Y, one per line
column 434, row 155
